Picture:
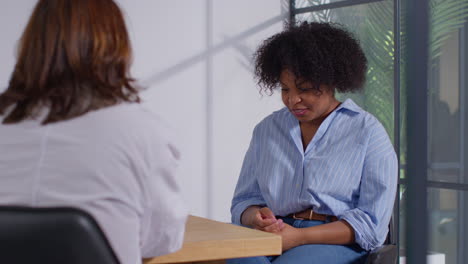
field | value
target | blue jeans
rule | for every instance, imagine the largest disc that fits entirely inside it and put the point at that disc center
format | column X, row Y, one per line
column 312, row 253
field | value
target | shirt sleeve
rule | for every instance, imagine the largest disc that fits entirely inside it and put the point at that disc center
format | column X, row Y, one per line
column 377, row 192
column 163, row 222
column 247, row 191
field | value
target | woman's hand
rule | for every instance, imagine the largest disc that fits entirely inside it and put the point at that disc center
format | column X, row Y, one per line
column 262, row 218
column 290, row 237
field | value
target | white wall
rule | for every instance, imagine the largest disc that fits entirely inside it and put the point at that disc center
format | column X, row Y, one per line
column 194, row 56
column 13, row 18
column 237, row 104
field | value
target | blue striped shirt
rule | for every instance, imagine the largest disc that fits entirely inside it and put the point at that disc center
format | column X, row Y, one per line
column 349, row 169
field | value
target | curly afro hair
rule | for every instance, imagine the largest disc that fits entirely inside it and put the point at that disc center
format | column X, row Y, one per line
column 321, row 53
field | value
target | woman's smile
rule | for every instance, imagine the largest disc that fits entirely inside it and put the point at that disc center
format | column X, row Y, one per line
column 300, row 112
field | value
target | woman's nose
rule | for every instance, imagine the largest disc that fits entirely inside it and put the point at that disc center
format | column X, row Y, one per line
column 294, row 98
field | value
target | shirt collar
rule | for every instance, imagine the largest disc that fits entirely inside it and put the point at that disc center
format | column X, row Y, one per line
column 350, row 105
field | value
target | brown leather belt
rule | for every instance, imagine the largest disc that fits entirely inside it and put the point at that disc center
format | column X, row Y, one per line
column 309, row 214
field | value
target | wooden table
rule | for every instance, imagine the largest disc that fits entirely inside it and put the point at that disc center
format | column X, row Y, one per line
column 207, row 240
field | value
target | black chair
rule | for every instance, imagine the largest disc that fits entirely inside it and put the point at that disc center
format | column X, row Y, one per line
column 52, row 236
column 388, row 252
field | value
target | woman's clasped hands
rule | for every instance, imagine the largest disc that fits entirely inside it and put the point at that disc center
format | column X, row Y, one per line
column 262, row 218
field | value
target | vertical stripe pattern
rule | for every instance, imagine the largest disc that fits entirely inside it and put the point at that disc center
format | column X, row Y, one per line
column 349, row 169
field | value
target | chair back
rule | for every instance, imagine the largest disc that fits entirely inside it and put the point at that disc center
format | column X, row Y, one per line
column 388, row 252
column 52, row 236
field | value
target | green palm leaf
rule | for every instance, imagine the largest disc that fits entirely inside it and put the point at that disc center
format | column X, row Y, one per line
column 375, row 25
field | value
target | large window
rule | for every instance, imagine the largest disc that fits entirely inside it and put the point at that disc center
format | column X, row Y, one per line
column 447, row 126
column 381, row 28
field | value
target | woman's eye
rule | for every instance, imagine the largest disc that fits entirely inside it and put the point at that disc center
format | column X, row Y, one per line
column 310, row 90
column 316, row 92
column 305, row 89
column 284, row 90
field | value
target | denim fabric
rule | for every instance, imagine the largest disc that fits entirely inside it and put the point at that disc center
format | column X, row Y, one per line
column 310, row 254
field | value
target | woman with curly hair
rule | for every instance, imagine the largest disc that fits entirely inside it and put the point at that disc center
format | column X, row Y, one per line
column 319, row 172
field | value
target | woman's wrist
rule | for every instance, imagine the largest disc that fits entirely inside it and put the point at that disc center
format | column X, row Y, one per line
column 248, row 215
column 338, row 233
column 302, row 236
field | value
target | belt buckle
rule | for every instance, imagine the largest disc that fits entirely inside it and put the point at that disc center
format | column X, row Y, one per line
column 300, row 218
column 297, row 218
column 311, row 213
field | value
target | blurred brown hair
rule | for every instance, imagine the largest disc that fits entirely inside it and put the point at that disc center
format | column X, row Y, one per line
column 73, row 57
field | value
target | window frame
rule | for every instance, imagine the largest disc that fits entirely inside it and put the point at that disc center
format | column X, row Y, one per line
column 417, row 186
